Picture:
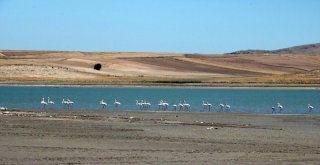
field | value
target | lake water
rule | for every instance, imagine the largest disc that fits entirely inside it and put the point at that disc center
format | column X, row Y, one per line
column 87, row 98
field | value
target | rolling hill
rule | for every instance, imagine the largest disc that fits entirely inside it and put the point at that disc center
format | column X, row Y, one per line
column 295, row 65
column 310, row 49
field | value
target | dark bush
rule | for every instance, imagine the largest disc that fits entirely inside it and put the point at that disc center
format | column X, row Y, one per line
column 97, row 66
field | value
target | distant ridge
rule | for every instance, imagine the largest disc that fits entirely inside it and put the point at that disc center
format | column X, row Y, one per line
column 309, row 49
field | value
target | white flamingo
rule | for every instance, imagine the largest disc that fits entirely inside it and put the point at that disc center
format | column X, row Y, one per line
column 160, row 105
column 273, row 110
column 165, row 105
column 43, row 103
column 103, row 104
column 116, row 103
column 146, row 104
column 3, row 108
column 205, row 105
column 174, row 107
column 64, row 102
column 209, row 106
column 227, row 107
column 186, row 105
column 181, row 106
column 69, row 103
column 310, row 108
column 280, row 107
column 50, row 102
column 221, row 107
column 139, row 104
column 143, row 104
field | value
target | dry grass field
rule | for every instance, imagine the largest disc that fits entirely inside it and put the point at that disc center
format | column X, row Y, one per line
column 59, row 67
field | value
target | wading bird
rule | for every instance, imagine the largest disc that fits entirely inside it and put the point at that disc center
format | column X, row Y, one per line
column 209, row 106
column 280, row 107
column 139, row 105
column 43, row 103
column 221, row 107
column 204, row 105
column 174, row 107
column 186, row 105
column 116, row 103
column 310, row 108
column 181, row 106
column 50, row 102
column 227, row 107
column 103, row 104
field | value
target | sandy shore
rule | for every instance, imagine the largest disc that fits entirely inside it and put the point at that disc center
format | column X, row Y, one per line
column 132, row 137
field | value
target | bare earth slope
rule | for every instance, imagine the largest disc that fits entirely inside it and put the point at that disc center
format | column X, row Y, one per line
column 77, row 67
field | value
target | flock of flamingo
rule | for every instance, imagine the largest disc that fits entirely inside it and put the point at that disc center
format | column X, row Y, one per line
column 162, row 105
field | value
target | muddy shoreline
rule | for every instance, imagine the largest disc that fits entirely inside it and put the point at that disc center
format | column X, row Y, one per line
column 135, row 137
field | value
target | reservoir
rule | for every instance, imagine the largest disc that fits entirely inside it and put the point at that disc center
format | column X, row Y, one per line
column 294, row 101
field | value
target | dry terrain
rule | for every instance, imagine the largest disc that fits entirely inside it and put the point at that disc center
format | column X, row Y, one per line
column 131, row 137
column 57, row 67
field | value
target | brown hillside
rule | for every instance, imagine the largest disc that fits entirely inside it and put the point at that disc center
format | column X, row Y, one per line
column 73, row 67
column 310, row 49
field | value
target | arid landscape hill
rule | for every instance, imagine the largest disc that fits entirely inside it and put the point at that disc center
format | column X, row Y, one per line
column 296, row 65
column 310, row 49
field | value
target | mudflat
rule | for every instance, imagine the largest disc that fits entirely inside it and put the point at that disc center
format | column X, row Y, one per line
column 135, row 137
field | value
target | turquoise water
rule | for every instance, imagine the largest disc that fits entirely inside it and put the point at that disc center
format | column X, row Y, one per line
column 87, row 98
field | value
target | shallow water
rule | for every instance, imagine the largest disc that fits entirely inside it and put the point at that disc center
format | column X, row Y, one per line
column 241, row 100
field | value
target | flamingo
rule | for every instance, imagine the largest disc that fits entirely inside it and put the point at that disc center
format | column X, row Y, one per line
column 103, row 103
column 69, row 103
column 50, row 101
column 310, row 108
column 209, row 106
column 174, row 107
column 64, row 102
column 165, row 105
column 280, row 107
column 205, row 105
column 116, row 103
column 146, row 104
column 186, row 105
column 139, row 104
column 181, row 106
column 227, row 107
column 3, row 108
column 160, row 105
column 143, row 104
column 221, row 106
column 43, row 103
column 273, row 109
